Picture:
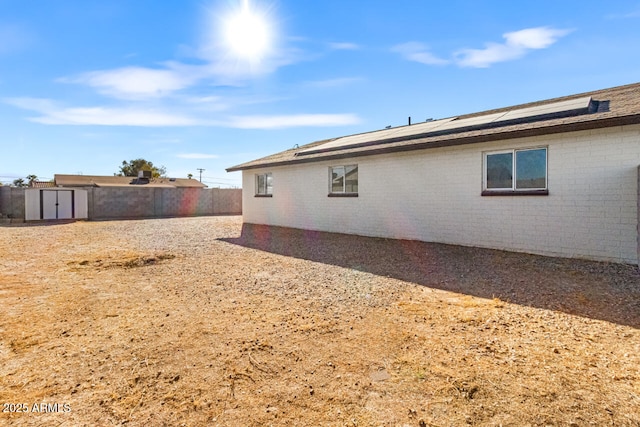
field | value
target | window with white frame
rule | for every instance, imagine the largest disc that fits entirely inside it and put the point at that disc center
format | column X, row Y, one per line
column 343, row 179
column 264, row 184
column 517, row 170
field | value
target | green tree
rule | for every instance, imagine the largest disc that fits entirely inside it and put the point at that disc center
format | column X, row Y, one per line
column 31, row 178
column 132, row 167
column 19, row 183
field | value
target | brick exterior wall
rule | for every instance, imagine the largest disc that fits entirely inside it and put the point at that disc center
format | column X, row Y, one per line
column 435, row 195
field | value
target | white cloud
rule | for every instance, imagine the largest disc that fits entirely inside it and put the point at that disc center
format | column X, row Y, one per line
column 53, row 114
column 35, row 104
column 136, row 82
column 171, row 77
column 295, row 120
column 344, row 46
column 197, row 156
column 516, row 45
column 112, row 117
column 492, row 53
column 418, row 52
column 207, row 100
column 337, row 82
column 534, row 38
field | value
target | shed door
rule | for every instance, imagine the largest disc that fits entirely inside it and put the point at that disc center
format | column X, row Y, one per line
column 65, row 204
column 57, row 204
column 49, row 204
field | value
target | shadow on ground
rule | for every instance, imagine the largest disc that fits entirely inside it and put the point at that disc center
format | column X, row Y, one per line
column 597, row 290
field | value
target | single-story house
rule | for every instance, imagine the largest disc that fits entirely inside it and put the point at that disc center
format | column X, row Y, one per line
column 124, row 181
column 556, row 177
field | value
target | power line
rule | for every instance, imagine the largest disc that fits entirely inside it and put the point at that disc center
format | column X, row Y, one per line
column 225, row 184
column 221, row 179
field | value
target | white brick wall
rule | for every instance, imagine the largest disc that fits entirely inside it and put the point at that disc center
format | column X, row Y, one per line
column 435, row 195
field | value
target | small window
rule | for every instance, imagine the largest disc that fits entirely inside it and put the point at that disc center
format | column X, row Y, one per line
column 343, row 180
column 264, row 185
column 516, row 171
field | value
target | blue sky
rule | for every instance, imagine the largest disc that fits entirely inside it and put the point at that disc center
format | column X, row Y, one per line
column 87, row 84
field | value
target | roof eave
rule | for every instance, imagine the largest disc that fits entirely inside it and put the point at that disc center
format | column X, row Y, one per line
column 473, row 139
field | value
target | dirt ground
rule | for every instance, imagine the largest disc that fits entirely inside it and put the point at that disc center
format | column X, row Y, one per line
column 201, row 321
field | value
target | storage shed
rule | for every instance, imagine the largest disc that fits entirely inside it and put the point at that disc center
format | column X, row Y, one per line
column 556, row 177
column 55, row 204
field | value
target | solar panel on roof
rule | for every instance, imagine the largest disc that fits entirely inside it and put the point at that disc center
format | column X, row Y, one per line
column 549, row 109
column 419, row 128
column 455, row 125
column 372, row 138
column 471, row 122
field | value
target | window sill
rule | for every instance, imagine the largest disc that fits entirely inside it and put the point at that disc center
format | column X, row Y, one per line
column 263, row 195
column 515, row 193
column 342, row 195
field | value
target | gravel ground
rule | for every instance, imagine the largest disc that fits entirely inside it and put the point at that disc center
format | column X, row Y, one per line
column 203, row 321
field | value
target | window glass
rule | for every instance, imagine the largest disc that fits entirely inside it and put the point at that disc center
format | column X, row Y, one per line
column 269, row 183
column 264, row 184
column 337, row 179
column 351, row 177
column 499, row 170
column 261, row 182
column 531, row 169
column 343, row 179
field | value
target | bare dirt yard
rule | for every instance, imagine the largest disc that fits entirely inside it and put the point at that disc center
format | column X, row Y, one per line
column 204, row 322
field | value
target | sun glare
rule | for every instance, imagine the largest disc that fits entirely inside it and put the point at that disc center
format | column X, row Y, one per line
column 247, row 33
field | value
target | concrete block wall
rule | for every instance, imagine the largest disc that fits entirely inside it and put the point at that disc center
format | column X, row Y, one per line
column 121, row 202
column 125, row 202
column 226, row 201
column 5, row 201
column 12, row 204
column 136, row 202
column 183, row 202
column 435, row 195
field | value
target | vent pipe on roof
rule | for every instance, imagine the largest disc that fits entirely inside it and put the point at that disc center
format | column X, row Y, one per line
column 409, row 120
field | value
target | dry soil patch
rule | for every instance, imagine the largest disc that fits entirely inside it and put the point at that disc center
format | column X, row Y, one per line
column 199, row 321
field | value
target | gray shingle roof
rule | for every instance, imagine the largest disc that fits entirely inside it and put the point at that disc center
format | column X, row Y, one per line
column 614, row 107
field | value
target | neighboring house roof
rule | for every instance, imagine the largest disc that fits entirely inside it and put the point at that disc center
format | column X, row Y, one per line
column 43, row 184
column 123, row 181
column 592, row 110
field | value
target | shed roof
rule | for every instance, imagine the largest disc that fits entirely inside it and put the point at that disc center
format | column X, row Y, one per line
column 123, row 181
column 607, row 107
